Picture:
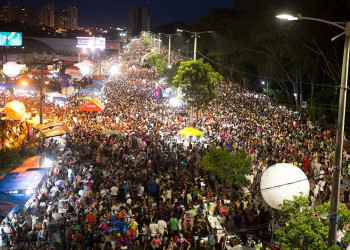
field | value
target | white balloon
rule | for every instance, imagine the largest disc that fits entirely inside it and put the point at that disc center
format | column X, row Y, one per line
column 84, row 68
column 11, row 69
column 281, row 182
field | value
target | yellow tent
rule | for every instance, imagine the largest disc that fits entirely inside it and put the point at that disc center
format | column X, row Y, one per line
column 190, row 131
column 97, row 101
column 85, row 98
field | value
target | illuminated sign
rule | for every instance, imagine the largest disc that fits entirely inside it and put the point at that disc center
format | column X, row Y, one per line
column 10, row 38
column 91, row 42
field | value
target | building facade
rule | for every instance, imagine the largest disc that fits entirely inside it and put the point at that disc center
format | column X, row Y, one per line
column 19, row 13
column 69, row 18
column 48, row 16
column 138, row 20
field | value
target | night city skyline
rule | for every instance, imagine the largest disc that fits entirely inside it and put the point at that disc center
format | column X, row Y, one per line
column 114, row 13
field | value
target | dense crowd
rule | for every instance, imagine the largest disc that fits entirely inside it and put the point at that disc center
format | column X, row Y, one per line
column 143, row 186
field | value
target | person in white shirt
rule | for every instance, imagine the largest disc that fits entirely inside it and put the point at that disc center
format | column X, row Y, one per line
column 162, row 226
column 153, row 228
column 114, row 191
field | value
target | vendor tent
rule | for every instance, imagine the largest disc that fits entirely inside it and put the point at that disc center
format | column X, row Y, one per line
column 27, row 180
column 11, row 203
column 97, row 101
column 91, row 106
column 190, row 131
column 86, row 98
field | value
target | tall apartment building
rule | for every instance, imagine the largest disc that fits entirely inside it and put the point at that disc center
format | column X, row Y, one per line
column 69, row 18
column 48, row 16
column 19, row 13
column 138, row 20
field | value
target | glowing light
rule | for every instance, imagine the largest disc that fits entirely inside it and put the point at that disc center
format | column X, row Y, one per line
column 287, row 17
column 115, row 69
column 29, row 191
column 175, row 102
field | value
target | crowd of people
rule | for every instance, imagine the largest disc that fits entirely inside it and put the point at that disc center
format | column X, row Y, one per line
column 143, row 187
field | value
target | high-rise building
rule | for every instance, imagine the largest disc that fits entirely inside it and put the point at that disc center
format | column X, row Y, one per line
column 22, row 14
column 48, row 16
column 138, row 20
column 69, row 18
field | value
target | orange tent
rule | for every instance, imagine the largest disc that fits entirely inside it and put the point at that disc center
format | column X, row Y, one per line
column 90, row 106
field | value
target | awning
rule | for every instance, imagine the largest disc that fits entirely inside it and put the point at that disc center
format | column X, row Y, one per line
column 48, row 125
column 56, row 131
column 11, row 203
column 27, row 180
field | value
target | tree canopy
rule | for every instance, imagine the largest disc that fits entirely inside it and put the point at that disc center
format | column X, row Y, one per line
column 158, row 61
column 231, row 168
column 302, row 228
column 197, row 81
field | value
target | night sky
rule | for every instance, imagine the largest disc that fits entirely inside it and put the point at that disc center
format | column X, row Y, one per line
column 113, row 13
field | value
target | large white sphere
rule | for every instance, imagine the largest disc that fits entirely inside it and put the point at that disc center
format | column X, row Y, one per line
column 11, row 69
column 281, row 182
column 15, row 110
column 84, row 68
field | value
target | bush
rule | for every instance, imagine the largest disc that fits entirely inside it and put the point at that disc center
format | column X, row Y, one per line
column 11, row 158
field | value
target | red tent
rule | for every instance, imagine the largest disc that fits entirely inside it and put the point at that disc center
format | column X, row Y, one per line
column 90, row 106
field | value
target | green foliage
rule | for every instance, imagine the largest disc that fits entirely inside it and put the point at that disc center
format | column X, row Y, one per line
column 145, row 40
column 279, row 96
column 158, row 61
column 323, row 103
column 301, row 228
column 11, row 158
column 231, row 168
column 169, row 73
column 197, row 81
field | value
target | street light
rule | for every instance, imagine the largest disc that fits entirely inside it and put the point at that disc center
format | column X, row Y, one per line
column 41, row 83
column 169, row 36
column 333, row 214
column 195, row 35
column 267, row 85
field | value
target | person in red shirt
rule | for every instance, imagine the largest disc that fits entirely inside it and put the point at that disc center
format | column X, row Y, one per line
column 91, row 218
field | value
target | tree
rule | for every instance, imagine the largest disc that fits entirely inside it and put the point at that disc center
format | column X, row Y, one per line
column 197, row 81
column 302, row 228
column 231, row 168
column 158, row 61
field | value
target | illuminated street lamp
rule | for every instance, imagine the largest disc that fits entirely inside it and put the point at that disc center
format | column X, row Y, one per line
column 267, row 85
column 195, row 35
column 333, row 214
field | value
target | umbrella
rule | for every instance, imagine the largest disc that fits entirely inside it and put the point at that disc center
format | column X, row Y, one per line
column 86, row 98
column 95, row 100
column 60, row 182
column 94, row 86
column 83, row 91
column 101, row 78
column 99, row 82
column 190, row 131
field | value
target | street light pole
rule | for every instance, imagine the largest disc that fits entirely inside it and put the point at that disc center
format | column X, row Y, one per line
column 195, row 34
column 333, row 214
column 169, row 46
